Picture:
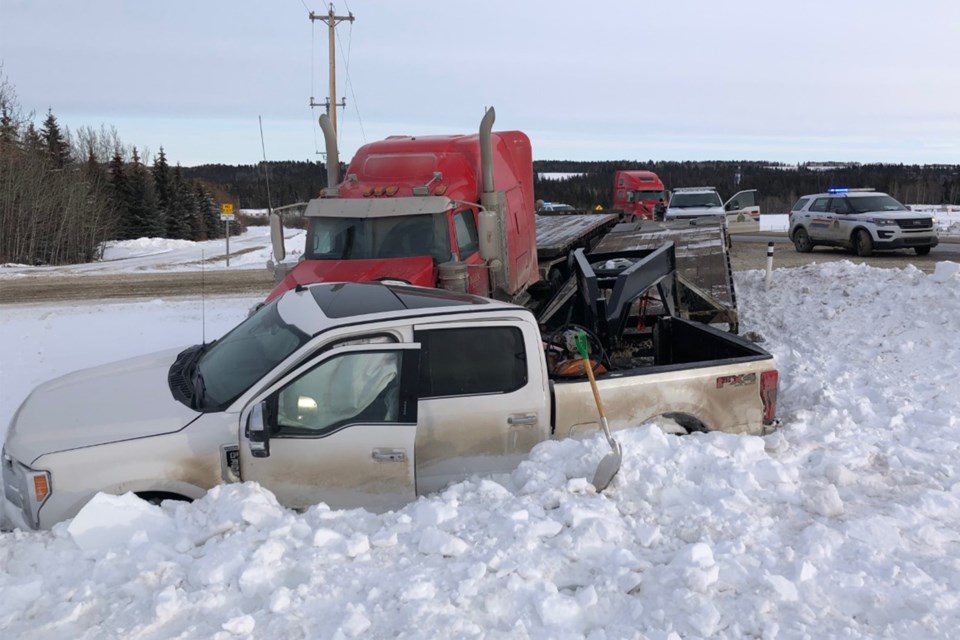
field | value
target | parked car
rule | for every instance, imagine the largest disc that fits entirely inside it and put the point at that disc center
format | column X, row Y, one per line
column 862, row 220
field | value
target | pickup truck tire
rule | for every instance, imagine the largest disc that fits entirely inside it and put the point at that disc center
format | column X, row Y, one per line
column 156, row 497
column 863, row 243
column 801, row 240
column 922, row 251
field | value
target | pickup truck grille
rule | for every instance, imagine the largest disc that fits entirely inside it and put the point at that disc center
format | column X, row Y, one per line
column 11, row 482
column 915, row 223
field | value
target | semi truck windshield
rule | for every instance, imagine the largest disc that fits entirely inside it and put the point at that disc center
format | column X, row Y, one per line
column 372, row 238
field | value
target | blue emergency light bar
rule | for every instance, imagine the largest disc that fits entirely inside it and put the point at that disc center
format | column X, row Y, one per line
column 847, row 190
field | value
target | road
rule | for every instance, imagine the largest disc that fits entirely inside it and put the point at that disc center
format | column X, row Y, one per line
column 749, row 251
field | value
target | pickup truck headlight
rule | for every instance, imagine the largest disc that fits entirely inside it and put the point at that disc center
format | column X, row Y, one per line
column 883, row 222
column 25, row 488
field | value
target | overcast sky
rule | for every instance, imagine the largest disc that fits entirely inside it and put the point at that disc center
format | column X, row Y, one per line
column 791, row 81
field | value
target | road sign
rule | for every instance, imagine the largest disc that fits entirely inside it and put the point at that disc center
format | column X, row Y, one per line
column 226, row 211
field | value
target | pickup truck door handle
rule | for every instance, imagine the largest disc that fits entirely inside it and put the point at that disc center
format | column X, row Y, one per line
column 530, row 418
column 389, row 455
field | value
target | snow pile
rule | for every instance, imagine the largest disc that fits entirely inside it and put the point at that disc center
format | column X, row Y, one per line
column 845, row 522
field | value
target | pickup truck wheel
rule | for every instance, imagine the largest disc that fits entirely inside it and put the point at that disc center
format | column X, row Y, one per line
column 922, row 251
column 801, row 240
column 863, row 243
column 156, row 497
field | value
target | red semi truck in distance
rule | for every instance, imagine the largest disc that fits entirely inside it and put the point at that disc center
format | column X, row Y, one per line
column 635, row 194
column 453, row 212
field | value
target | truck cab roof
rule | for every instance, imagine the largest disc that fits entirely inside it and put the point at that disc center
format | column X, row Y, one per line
column 317, row 307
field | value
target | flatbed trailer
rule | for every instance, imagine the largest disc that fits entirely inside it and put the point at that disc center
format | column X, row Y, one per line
column 704, row 273
column 559, row 235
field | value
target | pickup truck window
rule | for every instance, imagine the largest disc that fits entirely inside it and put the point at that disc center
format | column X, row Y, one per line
column 470, row 361
column 346, row 389
column 229, row 366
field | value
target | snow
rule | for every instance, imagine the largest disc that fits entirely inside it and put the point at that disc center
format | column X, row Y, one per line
column 843, row 523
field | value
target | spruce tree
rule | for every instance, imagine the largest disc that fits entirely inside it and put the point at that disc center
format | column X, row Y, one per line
column 180, row 212
column 55, row 142
column 163, row 188
column 145, row 219
column 120, row 196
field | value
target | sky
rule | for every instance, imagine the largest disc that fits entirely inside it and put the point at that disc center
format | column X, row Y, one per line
column 865, row 80
column 845, row 522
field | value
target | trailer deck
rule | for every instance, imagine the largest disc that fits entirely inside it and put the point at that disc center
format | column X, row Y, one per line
column 704, row 274
column 557, row 235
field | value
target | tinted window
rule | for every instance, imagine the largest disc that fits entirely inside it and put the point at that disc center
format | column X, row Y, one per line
column 348, row 389
column 800, row 203
column 820, row 204
column 468, row 241
column 246, row 354
column 876, row 203
column 839, row 205
column 386, row 237
column 468, row 361
column 703, row 199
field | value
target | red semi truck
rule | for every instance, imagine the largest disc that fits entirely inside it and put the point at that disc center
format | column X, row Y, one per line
column 453, row 212
column 635, row 194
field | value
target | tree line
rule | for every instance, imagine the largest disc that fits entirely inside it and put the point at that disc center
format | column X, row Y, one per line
column 64, row 194
column 780, row 186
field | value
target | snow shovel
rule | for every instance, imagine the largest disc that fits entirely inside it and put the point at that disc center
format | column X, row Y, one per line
column 610, row 464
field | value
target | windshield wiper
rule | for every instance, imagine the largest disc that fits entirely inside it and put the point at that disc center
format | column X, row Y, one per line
column 199, row 388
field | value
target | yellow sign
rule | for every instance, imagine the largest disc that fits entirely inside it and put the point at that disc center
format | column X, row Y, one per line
column 226, row 207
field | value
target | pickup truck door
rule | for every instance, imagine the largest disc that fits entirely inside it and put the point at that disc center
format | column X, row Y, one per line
column 844, row 219
column 745, row 202
column 484, row 399
column 342, row 429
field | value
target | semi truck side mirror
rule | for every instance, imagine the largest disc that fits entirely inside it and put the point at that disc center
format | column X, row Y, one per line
column 258, row 437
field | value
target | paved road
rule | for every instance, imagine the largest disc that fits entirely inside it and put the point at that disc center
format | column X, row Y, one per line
column 749, row 251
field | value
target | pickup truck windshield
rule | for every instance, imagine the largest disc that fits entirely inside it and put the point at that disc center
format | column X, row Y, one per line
column 875, row 203
column 372, row 238
column 237, row 360
column 686, row 200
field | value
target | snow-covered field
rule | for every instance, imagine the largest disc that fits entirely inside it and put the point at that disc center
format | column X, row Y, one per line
column 844, row 523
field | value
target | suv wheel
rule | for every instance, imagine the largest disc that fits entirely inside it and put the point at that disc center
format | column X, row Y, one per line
column 801, row 240
column 863, row 243
column 922, row 251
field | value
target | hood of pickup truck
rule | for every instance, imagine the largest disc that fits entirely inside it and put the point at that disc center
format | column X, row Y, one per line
column 694, row 212
column 418, row 271
column 117, row 401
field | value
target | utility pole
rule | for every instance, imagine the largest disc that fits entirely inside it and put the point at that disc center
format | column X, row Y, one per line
column 331, row 19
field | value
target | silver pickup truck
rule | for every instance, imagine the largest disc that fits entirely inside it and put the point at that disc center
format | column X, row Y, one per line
column 362, row 395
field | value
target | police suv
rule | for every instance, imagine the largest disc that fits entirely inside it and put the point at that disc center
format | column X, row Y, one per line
column 863, row 220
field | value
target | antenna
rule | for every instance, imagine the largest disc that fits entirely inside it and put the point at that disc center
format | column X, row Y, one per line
column 266, row 171
column 203, row 302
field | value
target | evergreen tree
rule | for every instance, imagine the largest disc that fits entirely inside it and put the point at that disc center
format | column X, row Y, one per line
column 208, row 212
column 120, row 196
column 8, row 130
column 55, row 141
column 144, row 218
column 32, row 141
column 181, row 219
column 163, row 187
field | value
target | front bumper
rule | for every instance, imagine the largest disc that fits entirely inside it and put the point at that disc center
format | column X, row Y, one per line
column 905, row 242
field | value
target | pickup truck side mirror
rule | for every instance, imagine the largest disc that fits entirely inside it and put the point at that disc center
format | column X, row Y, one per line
column 258, row 436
